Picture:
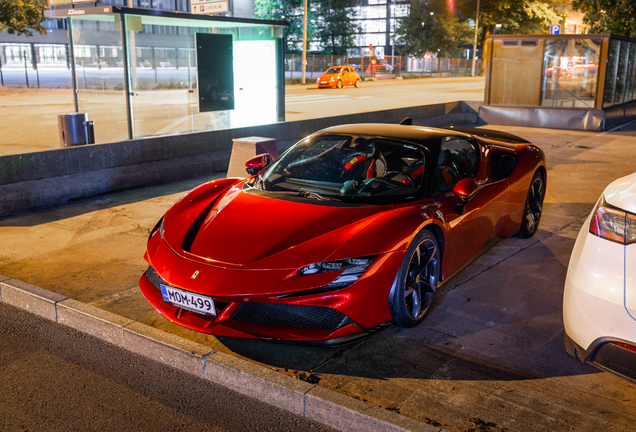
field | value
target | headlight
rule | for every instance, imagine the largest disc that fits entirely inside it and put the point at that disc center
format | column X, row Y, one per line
column 351, row 268
column 613, row 224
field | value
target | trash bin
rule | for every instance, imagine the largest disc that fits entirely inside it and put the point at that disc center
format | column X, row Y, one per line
column 72, row 129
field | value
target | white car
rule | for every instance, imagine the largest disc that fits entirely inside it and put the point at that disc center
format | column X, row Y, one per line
column 599, row 301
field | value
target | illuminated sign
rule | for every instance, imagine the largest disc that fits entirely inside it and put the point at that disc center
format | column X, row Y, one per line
column 68, row 2
column 208, row 7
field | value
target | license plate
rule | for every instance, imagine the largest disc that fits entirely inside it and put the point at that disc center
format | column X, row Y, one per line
column 323, row 82
column 187, row 300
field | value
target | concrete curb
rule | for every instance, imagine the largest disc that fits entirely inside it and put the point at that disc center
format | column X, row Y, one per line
column 308, row 400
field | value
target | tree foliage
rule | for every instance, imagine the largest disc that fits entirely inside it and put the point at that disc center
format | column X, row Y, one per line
column 515, row 16
column 430, row 27
column 335, row 28
column 609, row 16
column 19, row 16
column 291, row 11
column 434, row 26
column 328, row 22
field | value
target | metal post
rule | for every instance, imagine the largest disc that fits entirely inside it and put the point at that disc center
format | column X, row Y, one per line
column 392, row 40
column 26, row 74
column 154, row 62
column 1, row 76
column 127, row 86
column 34, row 62
column 304, row 65
column 472, row 71
column 72, row 61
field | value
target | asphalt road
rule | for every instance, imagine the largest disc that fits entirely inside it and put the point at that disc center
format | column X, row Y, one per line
column 53, row 378
column 305, row 102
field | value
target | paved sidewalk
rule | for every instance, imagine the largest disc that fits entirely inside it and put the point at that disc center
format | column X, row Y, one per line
column 491, row 349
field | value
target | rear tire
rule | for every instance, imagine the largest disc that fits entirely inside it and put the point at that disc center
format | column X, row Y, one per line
column 416, row 283
column 357, row 84
column 339, row 84
column 533, row 208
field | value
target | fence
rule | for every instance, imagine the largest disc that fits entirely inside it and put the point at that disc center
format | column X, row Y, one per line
column 48, row 65
column 384, row 67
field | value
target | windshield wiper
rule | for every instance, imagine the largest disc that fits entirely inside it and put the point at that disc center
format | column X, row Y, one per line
column 314, row 195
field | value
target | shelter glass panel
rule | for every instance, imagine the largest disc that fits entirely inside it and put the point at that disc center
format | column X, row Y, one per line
column 631, row 68
column 166, row 76
column 621, row 73
column 570, row 72
column 99, row 74
column 610, row 73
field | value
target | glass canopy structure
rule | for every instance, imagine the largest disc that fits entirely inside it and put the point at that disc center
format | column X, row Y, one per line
column 142, row 72
column 562, row 81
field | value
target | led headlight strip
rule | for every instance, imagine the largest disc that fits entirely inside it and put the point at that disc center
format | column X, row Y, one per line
column 351, row 268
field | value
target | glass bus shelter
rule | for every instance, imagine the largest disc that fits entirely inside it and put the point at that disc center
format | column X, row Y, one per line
column 583, row 82
column 141, row 72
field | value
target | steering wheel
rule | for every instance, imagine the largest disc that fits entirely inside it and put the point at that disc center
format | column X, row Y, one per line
column 408, row 177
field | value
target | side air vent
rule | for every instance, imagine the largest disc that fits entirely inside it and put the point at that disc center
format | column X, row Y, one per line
column 196, row 226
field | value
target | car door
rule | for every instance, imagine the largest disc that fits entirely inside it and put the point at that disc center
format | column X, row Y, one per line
column 460, row 158
column 346, row 75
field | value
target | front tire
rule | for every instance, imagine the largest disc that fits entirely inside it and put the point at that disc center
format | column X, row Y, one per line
column 416, row 283
column 534, row 207
column 339, row 84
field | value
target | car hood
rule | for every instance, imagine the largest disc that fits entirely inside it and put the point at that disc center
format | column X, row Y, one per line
column 259, row 231
column 621, row 193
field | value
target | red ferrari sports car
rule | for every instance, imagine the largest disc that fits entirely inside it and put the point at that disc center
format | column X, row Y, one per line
column 348, row 232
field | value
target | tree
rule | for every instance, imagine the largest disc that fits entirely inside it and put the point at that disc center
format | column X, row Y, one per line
column 430, row 27
column 513, row 16
column 609, row 16
column 334, row 26
column 18, row 16
column 291, row 11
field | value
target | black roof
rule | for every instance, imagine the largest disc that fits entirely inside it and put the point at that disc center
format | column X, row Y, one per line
column 429, row 137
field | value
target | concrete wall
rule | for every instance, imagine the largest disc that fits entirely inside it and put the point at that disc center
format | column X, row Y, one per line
column 42, row 179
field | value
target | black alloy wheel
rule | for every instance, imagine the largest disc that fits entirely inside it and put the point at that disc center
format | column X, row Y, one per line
column 416, row 283
column 533, row 208
column 339, row 84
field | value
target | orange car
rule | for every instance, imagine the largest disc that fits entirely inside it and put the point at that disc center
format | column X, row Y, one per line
column 337, row 76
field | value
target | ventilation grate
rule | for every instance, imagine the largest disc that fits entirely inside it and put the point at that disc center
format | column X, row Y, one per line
column 154, row 278
column 299, row 316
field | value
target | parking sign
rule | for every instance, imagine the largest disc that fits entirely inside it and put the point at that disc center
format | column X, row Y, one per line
column 555, row 29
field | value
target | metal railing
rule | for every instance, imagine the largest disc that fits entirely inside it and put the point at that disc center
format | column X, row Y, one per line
column 379, row 67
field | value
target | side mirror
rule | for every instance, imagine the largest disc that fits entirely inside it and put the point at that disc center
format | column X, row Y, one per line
column 256, row 164
column 464, row 190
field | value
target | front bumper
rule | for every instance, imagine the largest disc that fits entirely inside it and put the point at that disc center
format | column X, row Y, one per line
column 258, row 312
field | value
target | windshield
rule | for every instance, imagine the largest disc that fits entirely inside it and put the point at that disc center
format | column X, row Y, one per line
column 332, row 70
column 350, row 169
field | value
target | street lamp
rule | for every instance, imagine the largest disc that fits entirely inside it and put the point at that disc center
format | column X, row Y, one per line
column 304, row 65
column 472, row 71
